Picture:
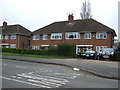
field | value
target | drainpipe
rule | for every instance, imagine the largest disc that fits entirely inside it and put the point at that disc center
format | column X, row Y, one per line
column 18, row 41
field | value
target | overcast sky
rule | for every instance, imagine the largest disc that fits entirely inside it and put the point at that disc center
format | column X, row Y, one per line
column 35, row 14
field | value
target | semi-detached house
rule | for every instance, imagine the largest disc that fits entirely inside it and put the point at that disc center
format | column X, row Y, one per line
column 14, row 36
column 86, row 34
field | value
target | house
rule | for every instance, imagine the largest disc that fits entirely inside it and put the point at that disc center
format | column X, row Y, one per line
column 14, row 36
column 86, row 34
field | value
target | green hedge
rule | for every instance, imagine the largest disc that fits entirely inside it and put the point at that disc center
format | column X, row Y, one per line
column 25, row 51
column 53, row 50
column 118, row 56
column 66, row 49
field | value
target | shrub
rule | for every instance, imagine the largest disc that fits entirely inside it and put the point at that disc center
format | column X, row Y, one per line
column 66, row 49
column 53, row 50
column 25, row 51
column 118, row 56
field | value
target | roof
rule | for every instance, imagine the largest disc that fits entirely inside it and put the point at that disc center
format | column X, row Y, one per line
column 86, row 25
column 15, row 29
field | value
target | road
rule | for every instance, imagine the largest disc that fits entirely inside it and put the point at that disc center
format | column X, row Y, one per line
column 20, row 74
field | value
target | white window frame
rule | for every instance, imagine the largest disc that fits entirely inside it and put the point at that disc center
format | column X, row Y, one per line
column 87, row 49
column 45, row 37
column 88, row 36
column 1, row 36
column 72, row 35
column 13, row 36
column 6, row 36
column 56, row 36
column 12, row 45
column 99, row 48
column 101, row 35
column 36, row 37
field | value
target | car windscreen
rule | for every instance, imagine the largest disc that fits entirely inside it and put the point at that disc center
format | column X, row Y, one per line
column 108, row 49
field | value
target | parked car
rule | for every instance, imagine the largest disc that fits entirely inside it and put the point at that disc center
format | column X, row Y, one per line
column 107, row 53
column 88, row 54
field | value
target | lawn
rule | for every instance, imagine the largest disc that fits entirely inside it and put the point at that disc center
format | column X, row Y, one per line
column 36, row 56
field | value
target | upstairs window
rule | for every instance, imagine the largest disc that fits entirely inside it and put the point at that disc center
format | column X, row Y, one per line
column 56, row 36
column 87, row 36
column 72, row 35
column 1, row 36
column 13, row 36
column 45, row 37
column 102, row 35
column 36, row 37
column 6, row 36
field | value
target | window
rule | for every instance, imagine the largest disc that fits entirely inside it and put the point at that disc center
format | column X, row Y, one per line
column 72, row 35
column 35, row 47
column 56, row 36
column 1, row 36
column 45, row 37
column 87, row 36
column 102, row 35
column 12, row 45
column 6, row 36
column 12, row 36
column 36, row 37
column 87, row 49
column 99, row 48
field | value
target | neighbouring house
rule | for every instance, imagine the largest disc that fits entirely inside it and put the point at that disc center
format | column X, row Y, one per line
column 86, row 34
column 14, row 36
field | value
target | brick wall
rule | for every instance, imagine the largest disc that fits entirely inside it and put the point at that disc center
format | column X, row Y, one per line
column 20, row 39
column 95, row 42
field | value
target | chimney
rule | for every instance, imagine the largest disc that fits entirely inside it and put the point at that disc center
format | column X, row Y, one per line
column 70, row 18
column 4, row 25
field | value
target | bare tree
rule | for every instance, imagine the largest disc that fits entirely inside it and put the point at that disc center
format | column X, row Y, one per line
column 86, row 10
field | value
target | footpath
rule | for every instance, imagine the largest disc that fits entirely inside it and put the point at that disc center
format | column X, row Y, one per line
column 104, row 69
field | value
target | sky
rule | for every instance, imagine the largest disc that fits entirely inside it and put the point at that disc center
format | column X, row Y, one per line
column 35, row 14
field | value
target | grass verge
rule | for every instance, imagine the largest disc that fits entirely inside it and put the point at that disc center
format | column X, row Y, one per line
column 36, row 56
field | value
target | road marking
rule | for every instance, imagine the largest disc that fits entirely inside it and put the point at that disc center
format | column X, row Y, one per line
column 50, row 77
column 49, row 81
column 45, row 80
column 61, row 81
column 46, row 83
column 25, row 82
column 20, row 66
column 13, row 76
column 5, row 64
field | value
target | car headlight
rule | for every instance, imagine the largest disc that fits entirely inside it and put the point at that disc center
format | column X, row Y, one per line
column 92, row 54
column 112, row 53
column 83, row 54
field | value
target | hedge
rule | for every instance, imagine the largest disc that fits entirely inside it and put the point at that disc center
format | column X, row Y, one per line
column 118, row 56
column 26, row 51
column 66, row 49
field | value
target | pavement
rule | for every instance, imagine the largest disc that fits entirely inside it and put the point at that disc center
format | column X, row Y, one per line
column 104, row 69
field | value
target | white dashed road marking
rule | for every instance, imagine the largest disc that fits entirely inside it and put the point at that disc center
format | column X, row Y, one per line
column 25, row 82
column 42, row 79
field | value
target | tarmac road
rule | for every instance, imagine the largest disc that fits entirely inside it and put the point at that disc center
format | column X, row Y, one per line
column 20, row 74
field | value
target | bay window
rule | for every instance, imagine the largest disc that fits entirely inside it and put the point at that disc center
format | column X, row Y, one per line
column 72, row 35
column 56, row 36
